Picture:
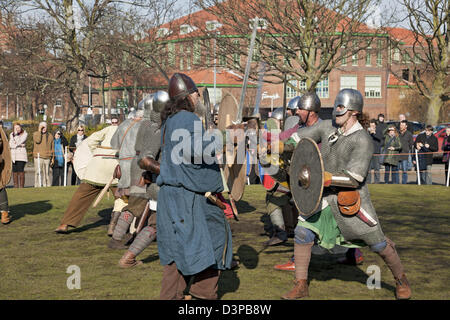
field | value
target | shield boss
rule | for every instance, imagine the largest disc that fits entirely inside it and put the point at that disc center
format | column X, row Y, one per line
column 306, row 177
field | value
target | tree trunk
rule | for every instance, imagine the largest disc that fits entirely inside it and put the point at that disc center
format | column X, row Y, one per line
column 436, row 102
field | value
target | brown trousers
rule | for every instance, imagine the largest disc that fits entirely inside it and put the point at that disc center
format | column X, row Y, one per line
column 82, row 199
column 173, row 284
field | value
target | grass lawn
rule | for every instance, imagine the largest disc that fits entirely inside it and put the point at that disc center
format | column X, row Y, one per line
column 34, row 259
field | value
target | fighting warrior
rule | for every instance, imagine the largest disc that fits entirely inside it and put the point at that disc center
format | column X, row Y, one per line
column 307, row 108
column 194, row 237
column 123, row 140
column 5, row 176
column 143, row 188
column 347, row 217
column 99, row 172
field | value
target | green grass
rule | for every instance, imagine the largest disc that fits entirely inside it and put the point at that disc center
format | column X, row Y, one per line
column 34, row 259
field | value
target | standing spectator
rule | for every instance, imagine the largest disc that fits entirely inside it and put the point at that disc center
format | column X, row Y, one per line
column 57, row 163
column 19, row 158
column 377, row 138
column 407, row 141
column 446, row 148
column 42, row 146
column 75, row 141
column 392, row 146
column 426, row 144
column 381, row 125
column 401, row 117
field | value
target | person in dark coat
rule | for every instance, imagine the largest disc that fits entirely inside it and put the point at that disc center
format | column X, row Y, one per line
column 407, row 141
column 392, row 147
column 446, row 149
column 377, row 139
column 426, row 143
column 194, row 237
column 75, row 141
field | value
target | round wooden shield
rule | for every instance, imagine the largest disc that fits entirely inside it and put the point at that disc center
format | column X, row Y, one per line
column 306, row 177
column 228, row 111
column 81, row 158
column 235, row 176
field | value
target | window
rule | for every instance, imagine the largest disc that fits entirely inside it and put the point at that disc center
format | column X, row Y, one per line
column 379, row 58
column 162, row 32
column 355, row 59
column 417, row 58
column 373, row 87
column 396, row 54
column 185, row 29
column 256, row 52
column 212, row 25
column 58, row 103
column 207, row 44
column 292, row 92
column 171, row 53
column 405, row 74
column 322, row 88
column 368, row 58
column 344, row 57
column 188, row 57
column 197, row 59
column 349, row 82
column 181, row 48
column 236, row 55
column 406, row 58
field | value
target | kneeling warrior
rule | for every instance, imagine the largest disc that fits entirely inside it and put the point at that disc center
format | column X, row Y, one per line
column 347, row 151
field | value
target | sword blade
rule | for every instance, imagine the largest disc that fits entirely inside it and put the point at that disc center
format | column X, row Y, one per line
column 247, row 71
column 261, row 73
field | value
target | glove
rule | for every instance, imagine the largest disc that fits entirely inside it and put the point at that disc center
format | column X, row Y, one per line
column 327, row 176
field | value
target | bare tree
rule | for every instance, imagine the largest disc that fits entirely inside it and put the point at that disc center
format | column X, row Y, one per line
column 426, row 53
column 75, row 35
column 302, row 39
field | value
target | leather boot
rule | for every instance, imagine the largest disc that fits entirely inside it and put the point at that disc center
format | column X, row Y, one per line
column 128, row 260
column 21, row 179
column 402, row 289
column 112, row 224
column 120, row 244
column 299, row 291
column 16, row 179
column 5, row 217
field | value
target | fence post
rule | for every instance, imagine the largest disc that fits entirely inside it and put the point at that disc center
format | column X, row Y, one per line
column 39, row 169
column 448, row 174
column 418, row 171
column 65, row 166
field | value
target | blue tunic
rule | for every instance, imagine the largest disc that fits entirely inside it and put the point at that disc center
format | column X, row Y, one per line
column 192, row 232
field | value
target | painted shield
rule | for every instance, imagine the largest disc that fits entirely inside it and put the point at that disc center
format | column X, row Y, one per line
column 6, row 164
column 227, row 112
column 81, row 158
column 306, row 177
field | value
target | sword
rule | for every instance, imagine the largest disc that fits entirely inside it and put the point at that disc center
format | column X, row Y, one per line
column 247, row 72
column 261, row 73
column 102, row 193
column 144, row 218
